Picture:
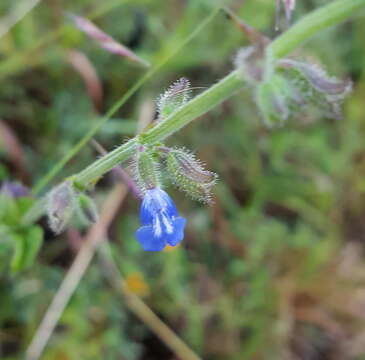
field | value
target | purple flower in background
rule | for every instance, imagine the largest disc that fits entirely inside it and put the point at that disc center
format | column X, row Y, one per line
column 14, row 189
column 161, row 223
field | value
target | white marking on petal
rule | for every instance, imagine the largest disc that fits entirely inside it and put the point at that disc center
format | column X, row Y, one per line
column 160, row 198
column 157, row 230
column 167, row 223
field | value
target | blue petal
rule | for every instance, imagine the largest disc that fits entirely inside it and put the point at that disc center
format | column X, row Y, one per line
column 163, row 231
column 146, row 237
column 154, row 202
column 178, row 234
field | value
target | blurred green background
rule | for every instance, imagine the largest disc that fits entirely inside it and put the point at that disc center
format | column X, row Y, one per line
column 274, row 269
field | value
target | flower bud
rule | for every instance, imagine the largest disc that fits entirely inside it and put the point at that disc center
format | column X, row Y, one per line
column 87, row 208
column 60, row 206
column 177, row 95
column 296, row 88
column 145, row 170
column 188, row 174
column 318, row 77
column 316, row 87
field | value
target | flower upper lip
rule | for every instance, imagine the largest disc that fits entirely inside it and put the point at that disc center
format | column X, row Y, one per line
column 156, row 201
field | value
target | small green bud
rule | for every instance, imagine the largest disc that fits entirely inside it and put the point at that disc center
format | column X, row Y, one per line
column 174, row 97
column 145, row 170
column 87, row 208
column 188, row 174
column 60, row 206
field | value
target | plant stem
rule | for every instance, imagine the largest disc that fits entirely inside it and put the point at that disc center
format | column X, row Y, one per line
column 326, row 16
column 46, row 179
column 308, row 26
column 183, row 116
column 329, row 15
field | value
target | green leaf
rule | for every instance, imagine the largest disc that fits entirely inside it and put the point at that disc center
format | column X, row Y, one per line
column 9, row 212
column 26, row 248
column 24, row 204
column 19, row 251
column 11, row 209
column 34, row 241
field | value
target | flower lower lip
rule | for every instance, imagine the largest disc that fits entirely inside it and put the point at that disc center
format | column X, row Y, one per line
column 161, row 224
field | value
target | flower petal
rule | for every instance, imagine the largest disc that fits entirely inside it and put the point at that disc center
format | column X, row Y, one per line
column 154, row 202
column 146, row 237
column 177, row 235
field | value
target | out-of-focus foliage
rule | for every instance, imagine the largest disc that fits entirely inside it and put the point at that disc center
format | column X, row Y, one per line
column 274, row 269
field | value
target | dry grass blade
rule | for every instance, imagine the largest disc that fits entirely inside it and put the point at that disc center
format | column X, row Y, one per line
column 254, row 36
column 75, row 273
column 104, row 40
column 87, row 71
column 20, row 10
column 136, row 305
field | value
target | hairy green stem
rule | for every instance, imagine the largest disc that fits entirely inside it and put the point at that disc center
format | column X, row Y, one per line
column 46, row 179
column 183, row 116
column 329, row 15
column 308, row 26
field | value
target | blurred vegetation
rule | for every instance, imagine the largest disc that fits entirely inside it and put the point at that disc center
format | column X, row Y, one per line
column 273, row 270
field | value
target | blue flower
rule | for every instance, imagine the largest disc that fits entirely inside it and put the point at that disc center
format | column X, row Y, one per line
column 161, row 222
